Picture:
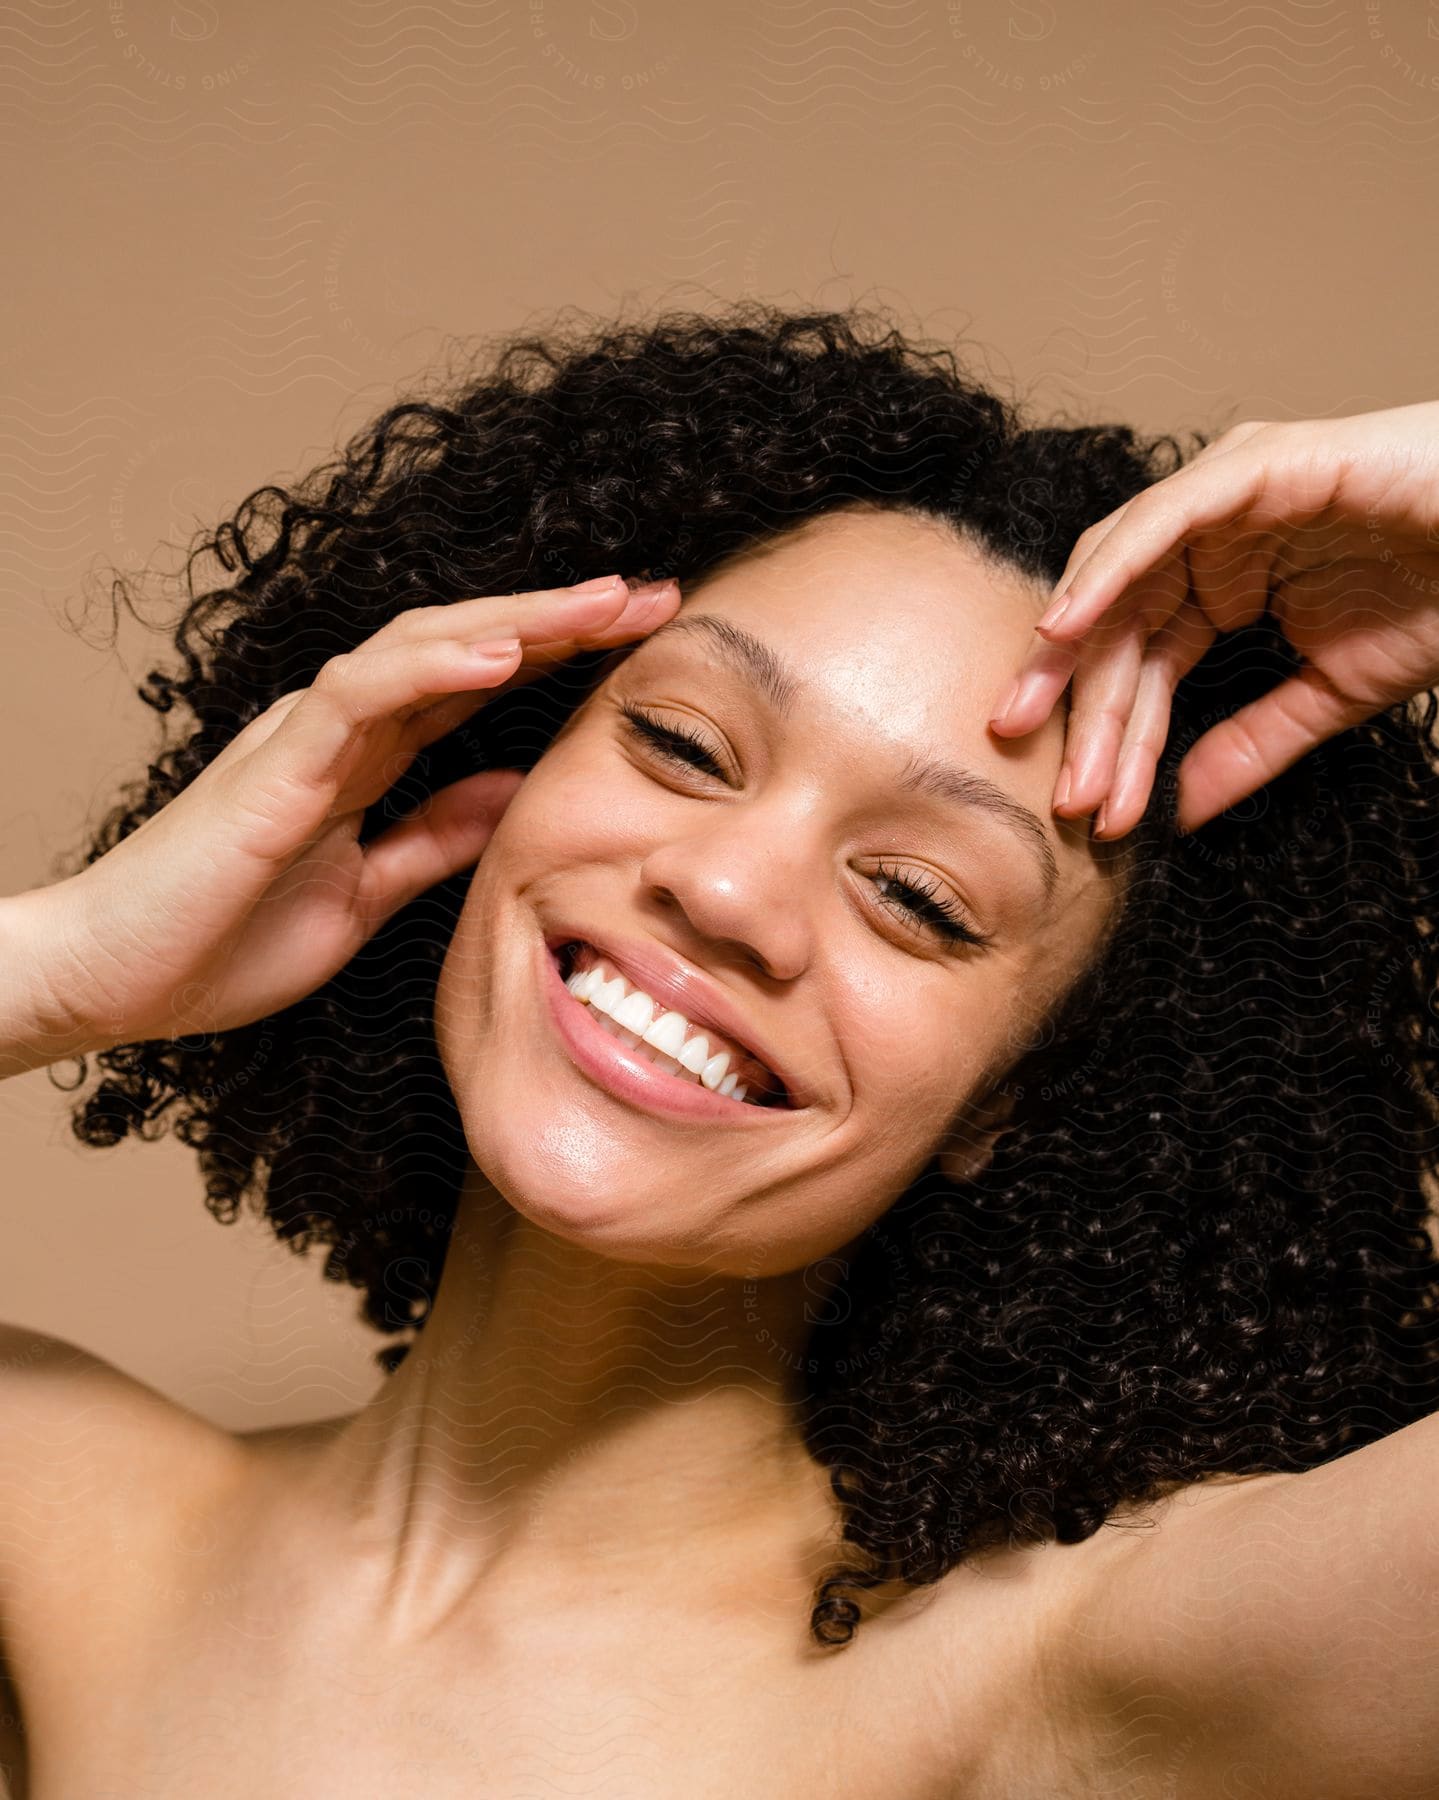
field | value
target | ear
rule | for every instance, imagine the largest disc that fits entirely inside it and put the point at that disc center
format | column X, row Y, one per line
column 970, row 1141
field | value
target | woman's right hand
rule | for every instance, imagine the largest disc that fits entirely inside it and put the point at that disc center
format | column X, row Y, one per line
column 249, row 889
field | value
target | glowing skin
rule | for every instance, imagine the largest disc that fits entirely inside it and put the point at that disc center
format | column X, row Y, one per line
column 764, row 880
column 601, row 1392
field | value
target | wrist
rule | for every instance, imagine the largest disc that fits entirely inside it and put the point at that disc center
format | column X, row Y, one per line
column 41, row 1022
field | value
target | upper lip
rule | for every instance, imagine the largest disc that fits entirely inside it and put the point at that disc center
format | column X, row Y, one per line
column 669, row 978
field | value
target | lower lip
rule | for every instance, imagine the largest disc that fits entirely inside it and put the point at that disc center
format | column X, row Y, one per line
column 614, row 1067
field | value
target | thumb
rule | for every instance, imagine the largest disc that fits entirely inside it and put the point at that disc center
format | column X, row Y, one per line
column 447, row 834
column 1235, row 758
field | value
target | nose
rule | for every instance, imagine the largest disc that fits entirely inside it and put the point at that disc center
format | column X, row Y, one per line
column 745, row 885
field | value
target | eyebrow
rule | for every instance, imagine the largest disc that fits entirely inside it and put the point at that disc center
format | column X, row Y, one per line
column 779, row 684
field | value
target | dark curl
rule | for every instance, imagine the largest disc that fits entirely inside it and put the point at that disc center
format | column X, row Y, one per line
column 1202, row 1246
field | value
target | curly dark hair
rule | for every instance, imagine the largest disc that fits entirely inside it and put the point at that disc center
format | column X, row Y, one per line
column 1201, row 1247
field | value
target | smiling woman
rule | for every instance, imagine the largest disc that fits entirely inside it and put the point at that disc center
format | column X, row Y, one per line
column 801, row 1167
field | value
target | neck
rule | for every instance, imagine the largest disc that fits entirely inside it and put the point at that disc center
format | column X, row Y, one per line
column 565, row 1420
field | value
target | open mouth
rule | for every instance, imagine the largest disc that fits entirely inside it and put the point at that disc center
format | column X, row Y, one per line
column 690, row 1054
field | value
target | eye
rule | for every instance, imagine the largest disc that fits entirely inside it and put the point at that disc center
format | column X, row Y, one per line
column 912, row 898
column 678, row 744
column 929, row 905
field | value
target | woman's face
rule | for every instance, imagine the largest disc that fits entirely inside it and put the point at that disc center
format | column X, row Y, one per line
column 775, row 889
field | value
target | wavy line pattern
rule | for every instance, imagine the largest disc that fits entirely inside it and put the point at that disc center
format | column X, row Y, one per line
column 239, row 229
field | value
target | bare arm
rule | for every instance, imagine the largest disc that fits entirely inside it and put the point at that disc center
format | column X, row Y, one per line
column 1282, row 1642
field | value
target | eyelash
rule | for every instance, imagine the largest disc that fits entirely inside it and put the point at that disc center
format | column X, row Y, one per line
column 680, row 744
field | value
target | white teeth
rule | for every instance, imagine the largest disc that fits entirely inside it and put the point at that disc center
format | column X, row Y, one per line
column 607, row 997
column 635, row 1012
column 632, row 1016
column 668, row 1034
column 714, row 1070
column 586, row 982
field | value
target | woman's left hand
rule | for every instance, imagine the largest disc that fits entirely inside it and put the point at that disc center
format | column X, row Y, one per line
column 1332, row 524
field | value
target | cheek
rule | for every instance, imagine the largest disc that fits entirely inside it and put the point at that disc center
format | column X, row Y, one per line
column 929, row 1088
column 542, row 828
column 572, row 805
column 915, row 1064
column 914, row 1024
column 561, row 818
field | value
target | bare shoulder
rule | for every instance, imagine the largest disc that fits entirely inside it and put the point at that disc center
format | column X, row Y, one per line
column 95, row 1466
column 49, row 1384
column 80, row 1440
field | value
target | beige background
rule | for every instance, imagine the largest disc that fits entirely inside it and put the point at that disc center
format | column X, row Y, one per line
column 236, row 229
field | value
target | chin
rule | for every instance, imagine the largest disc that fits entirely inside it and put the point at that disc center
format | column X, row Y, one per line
column 567, row 1180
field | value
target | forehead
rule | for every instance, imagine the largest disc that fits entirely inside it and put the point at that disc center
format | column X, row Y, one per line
column 890, row 615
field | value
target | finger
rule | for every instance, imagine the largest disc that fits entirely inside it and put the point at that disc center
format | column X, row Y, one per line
column 1227, row 440
column 1090, row 539
column 321, row 736
column 646, row 609
column 449, row 833
column 645, row 613
column 548, row 617
column 1232, row 570
column 638, row 621
column 642, row 614
column 1106, row 686
column 1046, row 667
column 1101, row 698
column 1171, row 654
column 553, row 636
column 595, row 619
column 498, row 615
column 1043, row 676
column 254, row 733
column 1082, row 549
column 1235, row 758
column 1199, row 496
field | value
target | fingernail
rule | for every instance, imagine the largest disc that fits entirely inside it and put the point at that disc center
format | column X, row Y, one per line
column 497, row 647
column 1100, row 818
column 1061, row 792
column 1055, row 613
column 598, row 584
column 644, row 589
